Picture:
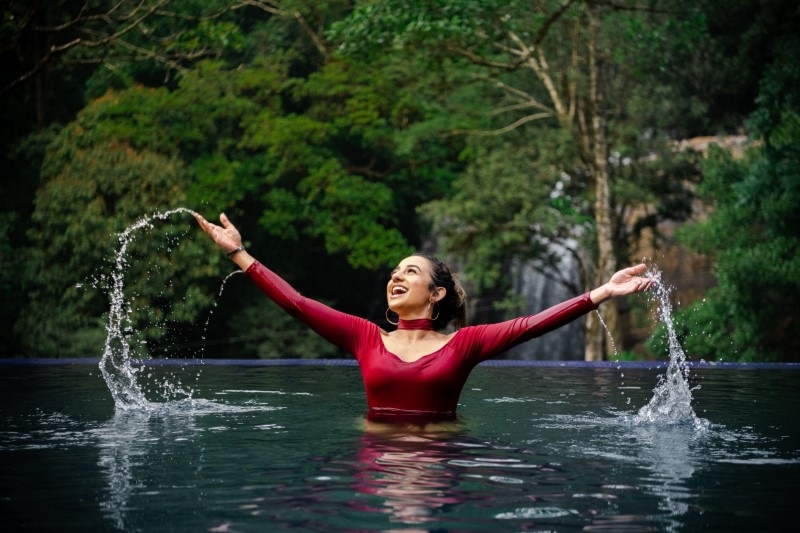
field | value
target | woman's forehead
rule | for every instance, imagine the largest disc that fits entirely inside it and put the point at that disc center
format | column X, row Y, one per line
column 415, row 260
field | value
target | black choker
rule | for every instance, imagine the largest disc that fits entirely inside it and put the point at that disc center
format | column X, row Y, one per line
column 420, row 323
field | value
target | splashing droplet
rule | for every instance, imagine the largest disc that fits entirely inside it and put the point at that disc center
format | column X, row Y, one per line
column 672, row 396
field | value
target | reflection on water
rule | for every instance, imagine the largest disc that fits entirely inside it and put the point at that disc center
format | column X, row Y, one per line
column 668, row 455
column 279, row 448
column 663, row 458
column 431, row 480
column 124, row 443
column 409, row 473
column 163, row 443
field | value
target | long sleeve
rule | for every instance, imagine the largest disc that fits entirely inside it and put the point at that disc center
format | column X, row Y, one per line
column 485, row 341
column 338, row 328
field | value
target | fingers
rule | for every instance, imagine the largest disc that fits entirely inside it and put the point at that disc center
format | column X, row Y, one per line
column 201, row 221
column 223, row 218
column 643, row 284
column 207, row 226
column 637, row 269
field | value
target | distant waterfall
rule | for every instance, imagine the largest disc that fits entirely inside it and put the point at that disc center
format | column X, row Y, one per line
column 540, row 292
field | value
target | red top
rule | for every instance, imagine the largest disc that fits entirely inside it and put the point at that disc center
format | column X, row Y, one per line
column 432, row 384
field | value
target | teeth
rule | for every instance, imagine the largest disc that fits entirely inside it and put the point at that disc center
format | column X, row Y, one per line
column 399, row 290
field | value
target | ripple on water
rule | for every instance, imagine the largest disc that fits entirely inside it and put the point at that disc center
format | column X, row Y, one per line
column 536, row 512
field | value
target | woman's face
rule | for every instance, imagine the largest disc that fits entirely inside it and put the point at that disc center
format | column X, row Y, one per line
column 408, row 289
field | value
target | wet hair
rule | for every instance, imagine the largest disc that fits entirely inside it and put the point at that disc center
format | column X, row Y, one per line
column 454, row 304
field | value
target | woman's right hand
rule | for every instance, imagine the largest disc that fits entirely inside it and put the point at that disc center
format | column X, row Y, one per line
column 226, row 236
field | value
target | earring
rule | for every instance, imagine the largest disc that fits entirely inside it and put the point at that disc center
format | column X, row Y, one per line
column 387, row 318
column 436, row 304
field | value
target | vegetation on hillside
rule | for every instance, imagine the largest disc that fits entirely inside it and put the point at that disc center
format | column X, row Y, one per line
column 341, row 135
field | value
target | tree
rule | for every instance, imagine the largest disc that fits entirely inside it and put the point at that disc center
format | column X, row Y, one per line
column 39, row 36
column 753, row 232
column 312, row 158
column 55, row 56
column 93, row 189
column 551, row 64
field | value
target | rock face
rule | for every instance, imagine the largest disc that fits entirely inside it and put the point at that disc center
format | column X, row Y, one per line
column 735, row 144
column 688, row 272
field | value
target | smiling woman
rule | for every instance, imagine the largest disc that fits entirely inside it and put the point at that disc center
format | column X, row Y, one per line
column 446, row 299
column 414, row 375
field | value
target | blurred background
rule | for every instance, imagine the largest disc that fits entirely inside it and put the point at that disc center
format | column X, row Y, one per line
column 537, row 146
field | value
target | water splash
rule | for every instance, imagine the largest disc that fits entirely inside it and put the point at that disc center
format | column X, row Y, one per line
column 203, row 339
column 672, row 397
column 116, row 363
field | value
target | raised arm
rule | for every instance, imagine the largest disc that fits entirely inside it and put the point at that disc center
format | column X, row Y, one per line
column 340, row 329
column 486, row 341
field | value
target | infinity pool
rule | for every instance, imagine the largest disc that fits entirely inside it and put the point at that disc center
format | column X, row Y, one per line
column 265, row 448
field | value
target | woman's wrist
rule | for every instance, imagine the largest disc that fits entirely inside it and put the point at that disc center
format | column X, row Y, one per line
column 600, row 295
column 235, row 251
column 243, row 259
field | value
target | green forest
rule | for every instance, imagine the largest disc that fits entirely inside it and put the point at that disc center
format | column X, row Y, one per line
column 341, row 136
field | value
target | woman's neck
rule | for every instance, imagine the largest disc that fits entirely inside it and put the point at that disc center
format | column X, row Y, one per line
column 424, row 324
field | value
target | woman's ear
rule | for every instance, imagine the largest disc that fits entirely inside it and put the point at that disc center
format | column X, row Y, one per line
column 439, row 293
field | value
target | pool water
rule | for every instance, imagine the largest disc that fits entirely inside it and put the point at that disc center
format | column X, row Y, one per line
column 265, row 448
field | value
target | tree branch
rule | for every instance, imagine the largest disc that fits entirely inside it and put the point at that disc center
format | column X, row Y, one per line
column 514, row 125
column 120, row 19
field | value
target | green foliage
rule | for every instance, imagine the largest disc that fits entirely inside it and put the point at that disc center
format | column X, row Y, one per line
column 374, row 28
column 264, row 329
column 10, row 272
column 753, row 229
column 90, row 194
column 517, row 212
column 333, row 168
column 508, row 204
column 322, row 172
column 325, row 158
column 698, row 331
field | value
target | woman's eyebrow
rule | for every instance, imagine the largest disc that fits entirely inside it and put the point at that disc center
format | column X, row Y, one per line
column 407, row 267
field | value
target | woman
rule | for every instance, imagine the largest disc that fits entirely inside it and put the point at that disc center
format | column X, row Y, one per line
column 416, row 372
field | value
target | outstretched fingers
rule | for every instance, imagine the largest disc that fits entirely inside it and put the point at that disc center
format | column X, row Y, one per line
column 207, row 226
column 637, row 270
column 641, row 283
column 202, row 222
column 211, row 229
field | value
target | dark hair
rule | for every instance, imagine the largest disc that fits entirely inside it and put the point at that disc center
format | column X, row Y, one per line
column 454, row 304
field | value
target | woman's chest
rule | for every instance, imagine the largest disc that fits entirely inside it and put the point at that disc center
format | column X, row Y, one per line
column 436, row 369
column 411, row 352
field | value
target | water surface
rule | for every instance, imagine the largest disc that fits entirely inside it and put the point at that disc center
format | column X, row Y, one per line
column 263, row 448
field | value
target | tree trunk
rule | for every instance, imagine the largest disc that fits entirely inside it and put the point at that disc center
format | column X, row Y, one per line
column 606, row 258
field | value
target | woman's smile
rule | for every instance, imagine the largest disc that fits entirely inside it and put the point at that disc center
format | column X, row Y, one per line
column 397, row 291
column 409, row 282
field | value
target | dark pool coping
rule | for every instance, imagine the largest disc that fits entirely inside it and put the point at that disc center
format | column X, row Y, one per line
column 352, row 362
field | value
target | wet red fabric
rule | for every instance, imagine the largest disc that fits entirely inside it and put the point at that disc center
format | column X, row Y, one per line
column 432, row 384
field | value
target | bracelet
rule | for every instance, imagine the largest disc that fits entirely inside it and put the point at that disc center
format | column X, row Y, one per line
column 235, row 251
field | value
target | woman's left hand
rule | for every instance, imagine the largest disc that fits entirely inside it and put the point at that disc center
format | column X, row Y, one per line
column 226, row 236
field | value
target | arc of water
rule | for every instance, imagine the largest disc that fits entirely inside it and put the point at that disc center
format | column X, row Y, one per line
column 115, row 363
